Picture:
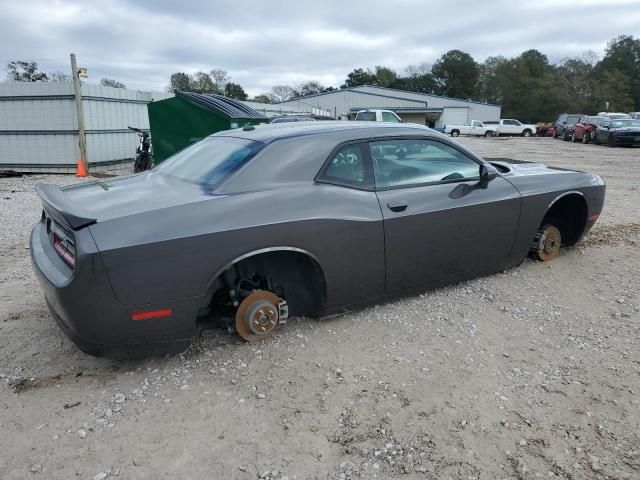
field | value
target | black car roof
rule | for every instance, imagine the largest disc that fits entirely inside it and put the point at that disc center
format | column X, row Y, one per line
column 271, row 132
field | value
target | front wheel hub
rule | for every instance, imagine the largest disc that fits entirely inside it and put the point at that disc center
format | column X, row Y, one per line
column 259, row 314
column 548, row 242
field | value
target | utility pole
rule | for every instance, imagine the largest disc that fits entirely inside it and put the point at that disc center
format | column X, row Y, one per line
column 75, row 73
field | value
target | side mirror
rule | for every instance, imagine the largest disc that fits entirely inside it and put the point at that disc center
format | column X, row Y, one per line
column 487, row 173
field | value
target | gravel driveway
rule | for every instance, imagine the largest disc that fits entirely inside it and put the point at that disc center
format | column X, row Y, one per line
column 530, row 373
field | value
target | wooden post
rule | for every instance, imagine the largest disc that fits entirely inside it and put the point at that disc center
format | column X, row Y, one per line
column 79, row 114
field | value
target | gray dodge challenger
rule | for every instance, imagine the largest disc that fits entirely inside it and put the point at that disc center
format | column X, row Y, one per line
column 252, row 225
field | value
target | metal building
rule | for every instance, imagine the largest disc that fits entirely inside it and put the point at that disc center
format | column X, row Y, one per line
column 39, row 130
column 425, row 109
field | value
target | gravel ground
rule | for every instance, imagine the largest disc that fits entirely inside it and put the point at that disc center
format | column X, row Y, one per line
column 530, row 373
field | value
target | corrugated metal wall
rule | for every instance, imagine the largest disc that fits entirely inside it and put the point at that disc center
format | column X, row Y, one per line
column 39, row 132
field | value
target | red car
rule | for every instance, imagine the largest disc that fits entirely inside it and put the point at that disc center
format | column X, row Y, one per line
column 585, row 129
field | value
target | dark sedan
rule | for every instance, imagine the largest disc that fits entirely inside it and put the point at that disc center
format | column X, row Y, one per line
column 309, row 218
column 624, row 132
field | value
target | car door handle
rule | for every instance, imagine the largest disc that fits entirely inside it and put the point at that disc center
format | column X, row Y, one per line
column 397, row 206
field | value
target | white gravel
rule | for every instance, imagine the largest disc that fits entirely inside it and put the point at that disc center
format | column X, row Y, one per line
column 530, row 373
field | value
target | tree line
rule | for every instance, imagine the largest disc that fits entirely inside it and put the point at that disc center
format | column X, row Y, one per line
column 528, row 86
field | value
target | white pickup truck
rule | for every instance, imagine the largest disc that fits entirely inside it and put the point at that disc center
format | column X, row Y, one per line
column 476, row 128
column 510, row 126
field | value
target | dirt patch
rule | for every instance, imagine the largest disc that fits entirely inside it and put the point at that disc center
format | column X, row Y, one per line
column 628, row 234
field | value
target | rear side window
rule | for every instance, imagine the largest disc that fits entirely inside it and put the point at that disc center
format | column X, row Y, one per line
column 389, row 117
column 211, row 160
column 348, row 167
column 366, row 116
column 398, row 163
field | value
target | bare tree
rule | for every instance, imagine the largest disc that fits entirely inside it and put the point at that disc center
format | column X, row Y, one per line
column 109, row 82
column 20, row 71
column 281, row 93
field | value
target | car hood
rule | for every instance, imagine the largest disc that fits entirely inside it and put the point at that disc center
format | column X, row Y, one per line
column 110, row 198
column 511, row 167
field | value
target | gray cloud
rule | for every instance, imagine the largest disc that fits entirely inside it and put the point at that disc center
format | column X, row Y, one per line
column 265, row 43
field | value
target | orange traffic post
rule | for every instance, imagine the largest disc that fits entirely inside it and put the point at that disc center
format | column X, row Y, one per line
column 80, row 171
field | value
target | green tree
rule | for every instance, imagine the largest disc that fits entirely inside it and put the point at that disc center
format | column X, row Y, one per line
column 623, row 54
column 488, row 84
column 526, row 87
column 20, row 71
column 384, row 76
column 180, row 81
column 262, row 98
column 201, row 82
column 456, row 74
column 359, row 77
column 309, row 88
column 613, row 92
column 233, row 90
column 109, row 82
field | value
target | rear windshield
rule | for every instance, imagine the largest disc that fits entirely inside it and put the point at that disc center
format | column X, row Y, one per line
column 595, row 120
column 573, row 118
column 366, row 116
column 211, row 160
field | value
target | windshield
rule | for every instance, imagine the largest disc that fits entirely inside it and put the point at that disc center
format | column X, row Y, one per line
column 595, row 120
column 618, row 116
column 625, row 123
column 366, row 116
column 573, row 118
column 211, row 160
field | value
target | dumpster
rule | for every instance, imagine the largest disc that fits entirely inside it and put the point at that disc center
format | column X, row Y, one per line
column 188, row 117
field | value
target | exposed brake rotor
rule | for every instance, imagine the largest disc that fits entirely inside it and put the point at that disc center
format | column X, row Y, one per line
column 259, row 314
column 548, row 243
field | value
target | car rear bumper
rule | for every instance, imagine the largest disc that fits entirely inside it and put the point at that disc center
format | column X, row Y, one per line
column 83, row 304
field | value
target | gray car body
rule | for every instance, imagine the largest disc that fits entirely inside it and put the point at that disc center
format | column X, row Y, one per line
column 150, row 241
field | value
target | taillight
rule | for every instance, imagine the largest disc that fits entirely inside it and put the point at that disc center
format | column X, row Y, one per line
column 62, row 242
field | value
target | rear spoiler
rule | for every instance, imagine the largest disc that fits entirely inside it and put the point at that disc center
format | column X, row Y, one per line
column 60, row 207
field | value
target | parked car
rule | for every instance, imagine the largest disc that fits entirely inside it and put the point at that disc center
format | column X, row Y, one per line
column 378, row 116
column 585, row 129
column 510, row 126
column 614, row 115
column 564, row 125
column 476, row 128
column 622, row 132
column 251, row 225
column 544, row 129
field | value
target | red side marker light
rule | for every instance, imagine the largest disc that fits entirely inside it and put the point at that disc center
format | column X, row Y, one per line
column 165, row 312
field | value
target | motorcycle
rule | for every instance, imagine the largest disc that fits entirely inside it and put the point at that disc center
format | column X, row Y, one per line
column 144, row 155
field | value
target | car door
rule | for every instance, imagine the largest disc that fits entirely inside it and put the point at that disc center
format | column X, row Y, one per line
column 509, row 127
column 441, row 223
column 603, row 131
column 477, row 128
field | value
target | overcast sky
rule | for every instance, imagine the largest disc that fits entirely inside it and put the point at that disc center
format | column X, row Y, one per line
column 264, row 43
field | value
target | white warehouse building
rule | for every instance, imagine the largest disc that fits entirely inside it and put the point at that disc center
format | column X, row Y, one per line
column 413, row 107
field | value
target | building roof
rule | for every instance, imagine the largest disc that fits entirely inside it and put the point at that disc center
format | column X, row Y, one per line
column 387, row 92
column 228, row 107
